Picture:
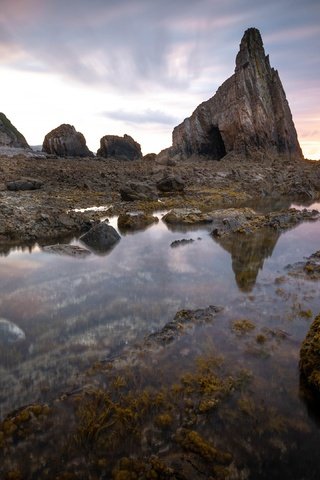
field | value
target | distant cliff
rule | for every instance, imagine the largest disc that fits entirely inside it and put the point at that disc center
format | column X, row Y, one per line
column 249, row 112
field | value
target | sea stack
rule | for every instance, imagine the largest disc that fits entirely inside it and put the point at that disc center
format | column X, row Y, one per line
column 9, row 136
column 248, row 113
column 65, row 141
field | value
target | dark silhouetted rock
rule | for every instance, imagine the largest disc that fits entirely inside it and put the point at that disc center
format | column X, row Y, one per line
column 249, row 112
column 123, row 148
column 65, row 141
column 24, row 184
column 9, row 135
column 101, row 238
column 137, row 191
column 170, row 184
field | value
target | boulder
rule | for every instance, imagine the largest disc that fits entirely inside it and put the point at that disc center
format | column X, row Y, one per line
column 137, row 191
column 122, row 148
column 149, row 157
column 310, row 356
column 248, row 113
column 135, row 221
column 9, row 135
column 171, row 183
column 24, row 184
column 101, row 238
column 65, row 141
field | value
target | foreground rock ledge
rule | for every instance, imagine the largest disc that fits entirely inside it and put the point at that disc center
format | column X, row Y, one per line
column 310, row 356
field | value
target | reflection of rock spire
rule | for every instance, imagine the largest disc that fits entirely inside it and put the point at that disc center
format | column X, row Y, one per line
column 248, row 253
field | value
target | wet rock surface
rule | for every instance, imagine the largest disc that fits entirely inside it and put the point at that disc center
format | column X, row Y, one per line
column 135, row 221
column 69, row 250
column 101, row 238
column 310, row 356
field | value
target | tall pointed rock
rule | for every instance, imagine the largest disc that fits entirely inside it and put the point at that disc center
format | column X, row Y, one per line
column 248, row 113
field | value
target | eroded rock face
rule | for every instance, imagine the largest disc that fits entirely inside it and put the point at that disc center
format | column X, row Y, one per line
column 122, row 148
column 9, row 135
column 65, row 141
column 249, row 112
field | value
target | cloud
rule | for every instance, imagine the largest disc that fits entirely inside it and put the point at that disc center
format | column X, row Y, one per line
column 147, row 117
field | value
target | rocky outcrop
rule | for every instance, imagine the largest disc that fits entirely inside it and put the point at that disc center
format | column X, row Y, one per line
column 122, row 148
column 310, row 356
column 171, row 183
column 248, row 113
column 9, row 135
column 65, row 141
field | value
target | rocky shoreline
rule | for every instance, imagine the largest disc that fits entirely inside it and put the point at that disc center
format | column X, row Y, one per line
column 67, row 185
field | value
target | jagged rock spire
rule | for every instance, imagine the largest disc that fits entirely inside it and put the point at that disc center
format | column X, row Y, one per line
column 248, row 114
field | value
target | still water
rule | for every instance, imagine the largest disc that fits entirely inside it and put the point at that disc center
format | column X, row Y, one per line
column 71, row 312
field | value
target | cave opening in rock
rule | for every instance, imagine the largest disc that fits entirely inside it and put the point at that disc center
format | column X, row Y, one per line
column 214, row 146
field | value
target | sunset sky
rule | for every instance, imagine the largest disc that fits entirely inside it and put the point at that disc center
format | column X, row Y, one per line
column 141, row 66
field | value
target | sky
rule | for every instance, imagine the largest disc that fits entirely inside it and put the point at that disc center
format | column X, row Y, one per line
column 140, row 67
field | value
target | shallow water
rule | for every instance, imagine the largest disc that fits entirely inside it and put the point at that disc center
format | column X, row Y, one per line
column 76, row 311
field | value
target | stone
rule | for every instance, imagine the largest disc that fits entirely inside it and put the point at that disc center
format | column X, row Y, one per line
column 135, row 221
column 171, row 183
column 137, row 191
column 121, row 148
column 179, row 243
column 10, row 136
column 24, row 184
column 69, row 250
column 186, row 216
column 310, row 356
column 65, row 141
column 101, row 238
column 249, row 112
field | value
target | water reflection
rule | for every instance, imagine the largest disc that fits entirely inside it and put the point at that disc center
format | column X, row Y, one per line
column 248, row 253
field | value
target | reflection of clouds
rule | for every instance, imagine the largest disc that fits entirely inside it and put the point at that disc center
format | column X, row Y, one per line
column 178, row 261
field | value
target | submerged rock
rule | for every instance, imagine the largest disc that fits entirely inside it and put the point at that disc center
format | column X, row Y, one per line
column 135, row 221
column 179, row 243
column 10, row 332
column 122, row 148
column 65, row 141
column 24, row 184
column 10, row 136
column 69, row 250
column 101, row 238
column 310, row 356
column 248, row 113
